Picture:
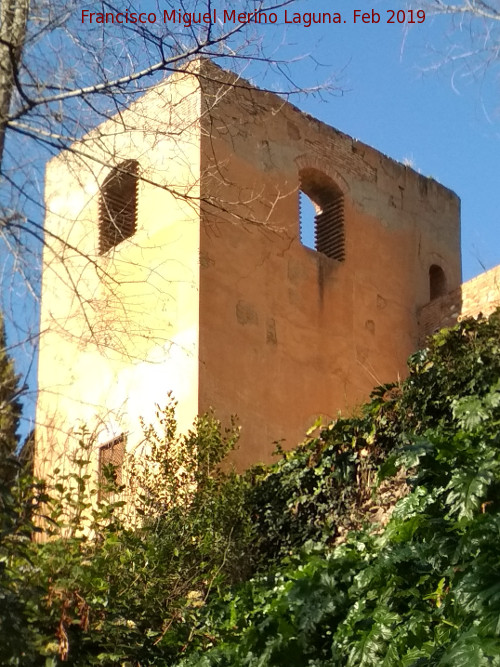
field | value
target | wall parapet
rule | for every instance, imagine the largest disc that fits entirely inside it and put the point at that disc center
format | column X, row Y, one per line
column 480, row 295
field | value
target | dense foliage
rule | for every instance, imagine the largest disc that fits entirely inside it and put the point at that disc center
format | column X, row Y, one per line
column 10, row 407
column 418, row 580
column 374, row 544
column 117, row 583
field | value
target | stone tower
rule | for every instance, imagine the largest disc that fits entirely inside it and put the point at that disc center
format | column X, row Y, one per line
column 174, row 262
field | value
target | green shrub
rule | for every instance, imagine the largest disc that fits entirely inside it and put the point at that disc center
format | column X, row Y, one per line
column 112, row 586
column 422, row 587
column 373, row 544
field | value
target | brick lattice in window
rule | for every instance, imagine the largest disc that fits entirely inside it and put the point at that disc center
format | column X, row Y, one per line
column 118, row 205
column 329, row 229
column 327, row 199
column 112, row 453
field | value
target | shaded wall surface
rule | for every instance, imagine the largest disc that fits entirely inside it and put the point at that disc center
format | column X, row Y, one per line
column 288, row 333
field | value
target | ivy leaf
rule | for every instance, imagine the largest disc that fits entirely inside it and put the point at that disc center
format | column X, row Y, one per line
column 410, row 455
column 388, row 468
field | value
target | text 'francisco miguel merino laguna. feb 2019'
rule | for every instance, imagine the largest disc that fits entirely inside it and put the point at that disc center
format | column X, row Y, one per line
column 305, row 19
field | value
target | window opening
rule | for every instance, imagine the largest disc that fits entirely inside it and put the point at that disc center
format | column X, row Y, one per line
column 118, row 205
column 111, row 454
column 321, row 220
column 307, row 215
column 437, row 282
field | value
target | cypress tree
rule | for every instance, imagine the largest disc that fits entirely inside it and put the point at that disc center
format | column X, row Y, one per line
column 10, row 406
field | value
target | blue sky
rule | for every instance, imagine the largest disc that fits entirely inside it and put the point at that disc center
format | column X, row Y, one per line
column 444, row 120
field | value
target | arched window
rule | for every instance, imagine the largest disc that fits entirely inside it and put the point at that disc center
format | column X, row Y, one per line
column 437, row 282
column 328, row 219
column 118, row 205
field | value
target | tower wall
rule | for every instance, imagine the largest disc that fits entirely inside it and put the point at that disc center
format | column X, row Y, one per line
column 287, row 333
column 215, row 297
column 480, row 295
column 119, row 330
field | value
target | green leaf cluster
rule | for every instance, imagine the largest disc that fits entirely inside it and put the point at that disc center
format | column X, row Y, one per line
column 117, row 580
column 381, row 536
column 375, row 543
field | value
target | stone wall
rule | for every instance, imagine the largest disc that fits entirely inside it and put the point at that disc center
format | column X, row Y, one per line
column 479, row 295
column 288, row 333
column 215, row 297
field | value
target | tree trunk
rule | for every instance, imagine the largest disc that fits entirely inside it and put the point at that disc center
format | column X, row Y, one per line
column 13, row 20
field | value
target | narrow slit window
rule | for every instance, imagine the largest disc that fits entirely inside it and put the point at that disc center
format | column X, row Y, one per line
column 437, row 282
column 320, row 194
column 118, row 205
column 111, row 454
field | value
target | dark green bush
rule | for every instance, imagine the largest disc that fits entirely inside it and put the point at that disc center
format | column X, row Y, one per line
column 118, row 583
column 373, row 544
column 422, row 587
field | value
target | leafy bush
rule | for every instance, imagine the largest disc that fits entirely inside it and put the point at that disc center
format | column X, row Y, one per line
column 421, row 587
column 104, row 591
column 373, row 544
